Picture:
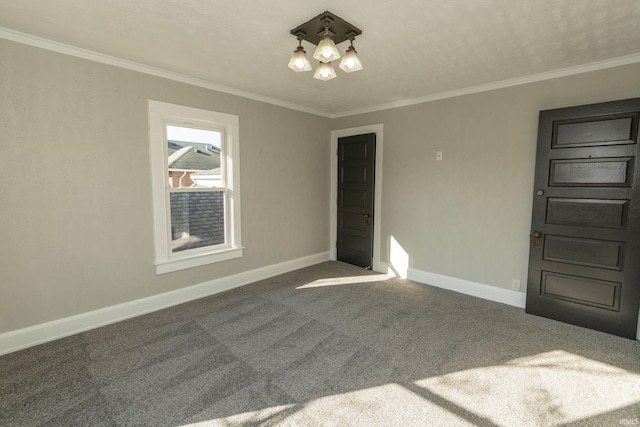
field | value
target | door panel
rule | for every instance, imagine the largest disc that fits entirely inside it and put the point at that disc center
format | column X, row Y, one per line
column 585, row 237
column 354, row 175
column 581, row 290
column 575, row 250
column 356, row 162
column 353, row 198
column 588, row 212
column 354, row 150
column 353, row 220
column 592, row 172
column 352, row 243
column 594, row 132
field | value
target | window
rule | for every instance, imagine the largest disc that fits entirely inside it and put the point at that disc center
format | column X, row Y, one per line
column 195, row 184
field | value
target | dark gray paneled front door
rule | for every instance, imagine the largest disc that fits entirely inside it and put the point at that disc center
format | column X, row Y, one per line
column 584, row 264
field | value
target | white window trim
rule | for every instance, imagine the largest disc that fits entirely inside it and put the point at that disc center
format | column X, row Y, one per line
column 161, row 113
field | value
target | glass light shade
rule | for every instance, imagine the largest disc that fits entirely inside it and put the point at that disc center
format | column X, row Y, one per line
column 299, row 61
column 325, row 72
column 350, row 61
column 326, row 51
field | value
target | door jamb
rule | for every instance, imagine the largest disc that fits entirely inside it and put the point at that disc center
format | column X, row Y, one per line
column 377, row 208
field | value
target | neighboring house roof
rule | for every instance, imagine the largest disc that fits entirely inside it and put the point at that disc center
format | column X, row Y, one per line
column 192, row 156
column 215, row 171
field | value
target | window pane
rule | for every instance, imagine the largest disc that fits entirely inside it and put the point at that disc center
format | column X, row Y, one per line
column 193, row 157
column 197, row 219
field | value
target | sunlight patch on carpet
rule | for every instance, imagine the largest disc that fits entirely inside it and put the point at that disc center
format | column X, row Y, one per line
column 547, row 389
column 365, row 407
column 339, row 281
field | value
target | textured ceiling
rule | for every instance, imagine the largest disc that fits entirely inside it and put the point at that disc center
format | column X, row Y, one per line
column 410, row 48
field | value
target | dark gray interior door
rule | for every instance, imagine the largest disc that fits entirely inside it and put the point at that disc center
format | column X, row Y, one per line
column 356, row 164
column 584, row 264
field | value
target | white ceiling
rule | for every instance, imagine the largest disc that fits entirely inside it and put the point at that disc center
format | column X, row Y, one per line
column 411, row 49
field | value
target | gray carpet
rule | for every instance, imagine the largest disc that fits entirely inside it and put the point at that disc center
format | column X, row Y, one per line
column 327, row 345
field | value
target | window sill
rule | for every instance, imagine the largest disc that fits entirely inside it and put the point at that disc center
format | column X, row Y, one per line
column 168, row 266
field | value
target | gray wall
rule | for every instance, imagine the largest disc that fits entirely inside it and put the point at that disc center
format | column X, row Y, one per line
column 468, row 216
column 75, row 193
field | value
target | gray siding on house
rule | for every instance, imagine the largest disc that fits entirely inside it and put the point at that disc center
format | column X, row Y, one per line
column 198, row 215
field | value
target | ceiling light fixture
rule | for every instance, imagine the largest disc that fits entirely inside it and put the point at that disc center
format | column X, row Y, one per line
column 326, row 31
column 350, row 61
column 299, row 61
column 324, row 72
column 326, row 50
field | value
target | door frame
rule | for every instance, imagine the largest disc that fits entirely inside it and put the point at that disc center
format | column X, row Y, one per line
column 377, row 208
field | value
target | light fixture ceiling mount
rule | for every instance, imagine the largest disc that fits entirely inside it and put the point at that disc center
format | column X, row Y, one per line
column 326, row 31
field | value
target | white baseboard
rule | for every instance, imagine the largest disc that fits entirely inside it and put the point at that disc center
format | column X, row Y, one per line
column 492, row 293
column 45, row 332
column 380, row 266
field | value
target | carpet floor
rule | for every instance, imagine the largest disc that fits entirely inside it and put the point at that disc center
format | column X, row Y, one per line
column 329, row 345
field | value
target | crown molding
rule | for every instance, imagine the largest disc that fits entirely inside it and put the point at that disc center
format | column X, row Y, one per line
column 563, row 72
column 28, row 39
